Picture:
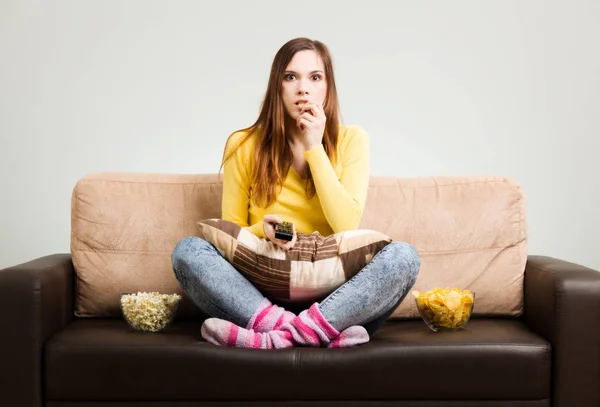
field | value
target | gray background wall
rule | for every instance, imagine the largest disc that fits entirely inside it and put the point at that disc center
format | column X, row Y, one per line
column 444, row 88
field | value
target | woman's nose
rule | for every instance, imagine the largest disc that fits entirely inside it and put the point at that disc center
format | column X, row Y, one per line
column 302, row 87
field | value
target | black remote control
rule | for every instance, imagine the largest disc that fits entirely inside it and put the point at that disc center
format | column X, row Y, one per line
column 284, row 231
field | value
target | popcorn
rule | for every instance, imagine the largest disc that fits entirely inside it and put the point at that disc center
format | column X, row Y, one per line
column 149, row 311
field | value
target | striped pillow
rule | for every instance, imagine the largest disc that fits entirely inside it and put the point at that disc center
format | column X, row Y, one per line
column 308, row 272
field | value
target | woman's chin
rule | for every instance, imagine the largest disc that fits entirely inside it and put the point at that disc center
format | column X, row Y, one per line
column 292, row 115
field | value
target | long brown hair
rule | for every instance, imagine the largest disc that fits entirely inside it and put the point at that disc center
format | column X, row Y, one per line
column 273, row 156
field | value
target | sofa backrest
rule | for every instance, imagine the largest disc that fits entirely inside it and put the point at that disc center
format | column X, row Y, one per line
column 470, row 232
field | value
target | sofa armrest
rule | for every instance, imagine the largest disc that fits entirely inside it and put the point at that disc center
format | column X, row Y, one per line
column 562, row 303
column 36, row 301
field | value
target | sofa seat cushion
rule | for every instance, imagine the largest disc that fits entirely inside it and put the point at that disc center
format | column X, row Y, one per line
column 103, row 359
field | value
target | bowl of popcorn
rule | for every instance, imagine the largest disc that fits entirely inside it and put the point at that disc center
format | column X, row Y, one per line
column 150, row 312
column 445, row 309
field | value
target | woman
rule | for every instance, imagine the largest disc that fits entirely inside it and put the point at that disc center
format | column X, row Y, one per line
column 298, row 164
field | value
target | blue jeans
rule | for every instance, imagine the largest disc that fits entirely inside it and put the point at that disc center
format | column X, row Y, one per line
column 367, row 299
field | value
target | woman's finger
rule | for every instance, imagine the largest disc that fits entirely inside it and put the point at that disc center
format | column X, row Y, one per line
column 312, row 109
column 309, row 117
column 272, row 219
column 269, row 222
column 283, row 244
column 303, row 122
column 292, row 242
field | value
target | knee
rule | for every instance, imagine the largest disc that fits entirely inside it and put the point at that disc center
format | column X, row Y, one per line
column 185, row 250
column 408, row 260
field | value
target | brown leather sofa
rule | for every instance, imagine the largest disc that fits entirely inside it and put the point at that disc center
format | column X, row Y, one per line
column 548, row 356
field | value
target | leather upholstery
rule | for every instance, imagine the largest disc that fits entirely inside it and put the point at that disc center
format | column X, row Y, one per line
column 550, row 356
column 562, row 303
column 36, row 301
column 494, row 359
column 311, row 403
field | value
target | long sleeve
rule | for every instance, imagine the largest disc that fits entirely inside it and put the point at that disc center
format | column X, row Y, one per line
column 236, row 187
column 257, row 229
column 342, row 201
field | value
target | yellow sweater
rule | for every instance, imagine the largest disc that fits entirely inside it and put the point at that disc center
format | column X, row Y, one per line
column 341, row 191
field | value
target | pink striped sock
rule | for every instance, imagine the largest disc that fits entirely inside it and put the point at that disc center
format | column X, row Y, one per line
column 307, row 329
column 351, row 336
column 269, row 317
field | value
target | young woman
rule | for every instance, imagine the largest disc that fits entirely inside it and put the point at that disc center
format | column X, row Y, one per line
column 299, row 164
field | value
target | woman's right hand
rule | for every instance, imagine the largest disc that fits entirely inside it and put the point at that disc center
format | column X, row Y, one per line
column 269, row 222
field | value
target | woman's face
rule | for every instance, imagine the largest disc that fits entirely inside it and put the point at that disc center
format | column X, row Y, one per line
column 303, row 81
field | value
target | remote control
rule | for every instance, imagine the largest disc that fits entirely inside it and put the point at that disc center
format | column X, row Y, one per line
column 284, row 231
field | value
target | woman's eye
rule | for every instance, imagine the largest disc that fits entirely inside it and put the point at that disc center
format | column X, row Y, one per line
column 316, row 77
column 289, row 77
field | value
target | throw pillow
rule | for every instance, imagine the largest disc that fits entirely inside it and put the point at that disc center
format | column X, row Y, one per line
column 308, row 272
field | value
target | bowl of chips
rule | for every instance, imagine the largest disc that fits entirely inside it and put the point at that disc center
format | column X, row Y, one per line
column 445, row 309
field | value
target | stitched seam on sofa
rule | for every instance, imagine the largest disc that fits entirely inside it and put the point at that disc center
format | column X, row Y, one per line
column 432, row 252
column 124, row 251
column 221, row 183
column 471, row 249
column 404, row 345
column 400, row 185
column 136, row 346
column 521, row 210
column 151, row 182
column 477, row 345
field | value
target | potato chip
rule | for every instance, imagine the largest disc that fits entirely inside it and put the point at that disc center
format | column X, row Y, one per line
column 452, row 300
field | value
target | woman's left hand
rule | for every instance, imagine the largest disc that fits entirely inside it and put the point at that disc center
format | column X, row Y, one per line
column 312, row 124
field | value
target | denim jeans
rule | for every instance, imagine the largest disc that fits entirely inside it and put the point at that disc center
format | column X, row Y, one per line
column 367, row 299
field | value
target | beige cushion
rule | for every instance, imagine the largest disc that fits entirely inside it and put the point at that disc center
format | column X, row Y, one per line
column 469, row 231
column 311, row 270
column 124, row 228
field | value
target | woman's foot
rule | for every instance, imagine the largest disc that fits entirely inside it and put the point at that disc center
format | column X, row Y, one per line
column 269, row 317
column 307, row 329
